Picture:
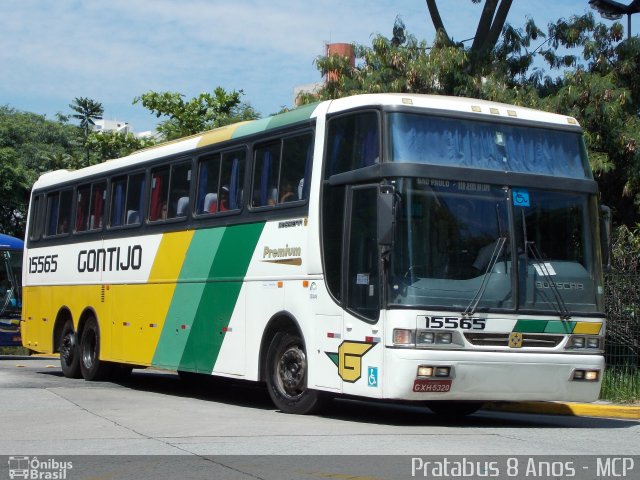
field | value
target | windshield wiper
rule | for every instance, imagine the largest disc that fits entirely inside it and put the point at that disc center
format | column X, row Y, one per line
column 495, row 255
column 562, row 310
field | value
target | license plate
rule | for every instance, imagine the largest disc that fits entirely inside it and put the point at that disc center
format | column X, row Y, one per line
column 431, row 386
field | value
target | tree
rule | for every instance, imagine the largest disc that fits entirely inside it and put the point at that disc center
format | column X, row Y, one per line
column 29, row 145
column 204, row 112
column 492, row 20
column 599, row 85
column 108, row 145
column 87, row 112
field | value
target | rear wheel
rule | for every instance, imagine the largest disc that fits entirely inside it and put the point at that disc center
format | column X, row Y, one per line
column 454, row 409
column 69, row 351
column 90, row 364
column 287, row 376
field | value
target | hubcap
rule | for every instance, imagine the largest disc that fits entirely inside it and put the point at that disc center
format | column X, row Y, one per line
column 67, row 348
column 292, row 369
column 89, row 350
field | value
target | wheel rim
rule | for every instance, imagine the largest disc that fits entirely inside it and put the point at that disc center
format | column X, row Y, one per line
column 89, row 349
column 291, row 372
column 67, row 349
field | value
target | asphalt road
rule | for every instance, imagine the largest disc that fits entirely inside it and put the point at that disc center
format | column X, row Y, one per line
column 153, row 412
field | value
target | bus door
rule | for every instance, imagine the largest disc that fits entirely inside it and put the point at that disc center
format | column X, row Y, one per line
column 362, row 350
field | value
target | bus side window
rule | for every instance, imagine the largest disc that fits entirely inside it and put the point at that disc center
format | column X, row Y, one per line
column 36, row 218
column 96, row 208
column 134, row 205
column 158, row 207
column 297, row 155
column 265, row 174
column 58, row 213
column 231, row 180
column 208, row 181
column 83, row 197
column 178, row 203
column 66, row 197
column 118, row 194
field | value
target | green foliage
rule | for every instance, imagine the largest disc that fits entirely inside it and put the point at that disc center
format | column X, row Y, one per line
column 625, row 249
column 204, row 112
column 108, row 145
column 29, row 145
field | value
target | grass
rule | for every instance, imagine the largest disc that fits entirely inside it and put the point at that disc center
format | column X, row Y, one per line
column 621, row 385
column 18, row 351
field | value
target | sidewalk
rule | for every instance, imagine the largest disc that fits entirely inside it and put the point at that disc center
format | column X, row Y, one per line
column 598, row 409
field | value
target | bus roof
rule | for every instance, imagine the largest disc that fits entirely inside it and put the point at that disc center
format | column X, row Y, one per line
column 306, row 112
column 8, row 242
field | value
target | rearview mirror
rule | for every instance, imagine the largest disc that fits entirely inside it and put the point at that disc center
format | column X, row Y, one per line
column 386, row 217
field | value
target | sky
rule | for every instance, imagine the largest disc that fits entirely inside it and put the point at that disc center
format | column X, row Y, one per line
column 112, row 51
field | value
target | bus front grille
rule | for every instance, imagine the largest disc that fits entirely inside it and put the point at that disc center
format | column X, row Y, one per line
column 502, row 340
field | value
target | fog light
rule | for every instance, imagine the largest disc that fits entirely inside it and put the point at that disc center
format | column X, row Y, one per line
column 403, row 336
column 593, row 342
column 443, row 371
column 424, row 371
column 578, row 374
column 425, row 337
column 577, row 342
column 443, row 338
column 591, row 375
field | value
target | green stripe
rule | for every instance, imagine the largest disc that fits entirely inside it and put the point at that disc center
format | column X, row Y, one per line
column 556, row 326
column 530, row 326
column 222, row 256
column 300, row 114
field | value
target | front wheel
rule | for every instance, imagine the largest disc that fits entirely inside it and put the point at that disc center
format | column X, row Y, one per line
column 287, row 376
column 90, row 364
column 69, row 351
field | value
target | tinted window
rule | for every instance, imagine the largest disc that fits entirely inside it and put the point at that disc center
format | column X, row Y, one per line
column 352, row 143
column 282, row 169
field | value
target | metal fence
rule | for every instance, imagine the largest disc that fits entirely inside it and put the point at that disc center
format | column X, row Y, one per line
column 622, row 343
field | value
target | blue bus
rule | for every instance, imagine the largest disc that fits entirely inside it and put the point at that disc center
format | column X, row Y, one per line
column 10, row 290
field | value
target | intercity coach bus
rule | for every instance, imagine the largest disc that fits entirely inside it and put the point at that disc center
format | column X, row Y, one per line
column 10, row 290
column 401, row 247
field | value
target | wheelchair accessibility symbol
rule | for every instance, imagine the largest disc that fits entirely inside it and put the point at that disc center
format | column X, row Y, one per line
column 520, row 197
column 372, row 376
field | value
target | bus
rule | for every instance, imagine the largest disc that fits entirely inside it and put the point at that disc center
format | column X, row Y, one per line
column 399, row 247
column 10, row 290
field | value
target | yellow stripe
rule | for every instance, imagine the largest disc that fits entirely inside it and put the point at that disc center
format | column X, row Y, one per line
column 219, row 134
column 588, row 328
column 170, row 257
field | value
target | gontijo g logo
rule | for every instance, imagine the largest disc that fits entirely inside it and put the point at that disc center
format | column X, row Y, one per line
column 34, row 469
column 349, row 359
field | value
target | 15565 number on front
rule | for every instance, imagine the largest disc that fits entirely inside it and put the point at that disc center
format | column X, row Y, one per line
column 455, row 322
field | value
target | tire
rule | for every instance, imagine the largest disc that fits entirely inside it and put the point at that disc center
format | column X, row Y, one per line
column 287, row 376
column 69, row 351
column 91, row 366
column 454, row 409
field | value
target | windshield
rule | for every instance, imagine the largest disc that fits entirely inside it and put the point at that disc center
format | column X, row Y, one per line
column 419, row 138
column 455, row 242
column 448, row 234
column 10, row 278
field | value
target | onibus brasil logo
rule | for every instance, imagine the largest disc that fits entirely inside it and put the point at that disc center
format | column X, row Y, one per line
column 348, row 359
column 35, row 469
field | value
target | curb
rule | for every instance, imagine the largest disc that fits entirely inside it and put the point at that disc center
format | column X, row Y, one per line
column 574, row 409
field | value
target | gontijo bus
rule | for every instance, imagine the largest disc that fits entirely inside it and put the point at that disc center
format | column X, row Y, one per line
column 408, row 247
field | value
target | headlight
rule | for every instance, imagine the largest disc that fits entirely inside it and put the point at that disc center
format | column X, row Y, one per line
column 403, row 336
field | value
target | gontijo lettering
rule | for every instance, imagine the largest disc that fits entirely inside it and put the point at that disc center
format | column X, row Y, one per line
column 110, row 259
